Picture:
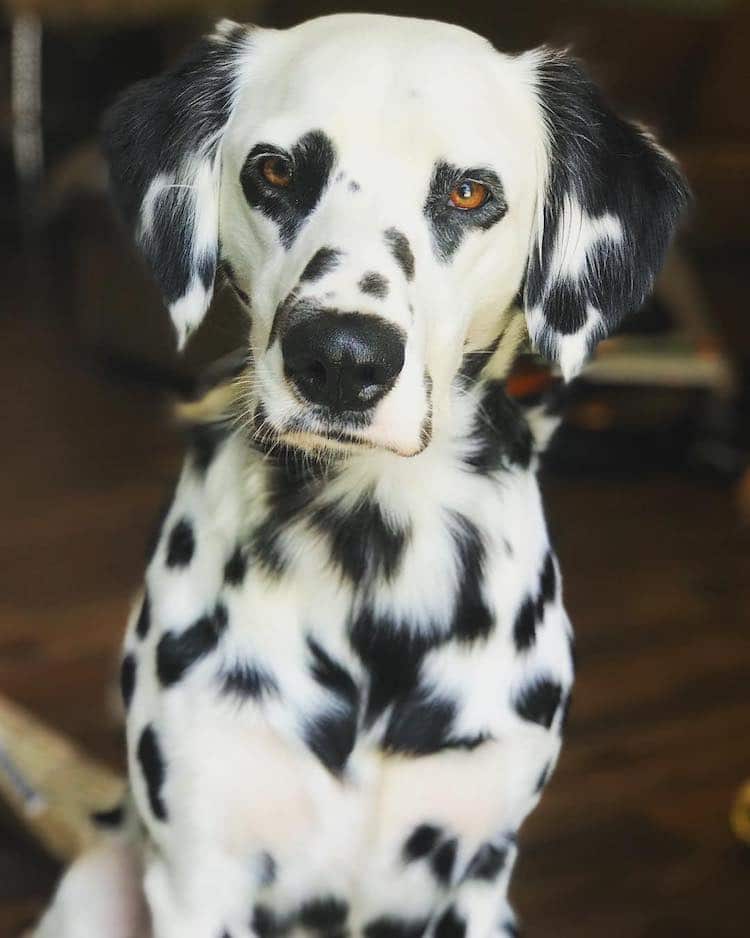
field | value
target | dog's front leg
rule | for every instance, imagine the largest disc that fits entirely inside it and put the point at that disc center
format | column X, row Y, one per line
column 478, row 906
column 201, row 895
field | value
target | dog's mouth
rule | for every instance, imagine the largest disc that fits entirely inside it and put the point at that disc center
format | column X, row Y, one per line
column 317, row 433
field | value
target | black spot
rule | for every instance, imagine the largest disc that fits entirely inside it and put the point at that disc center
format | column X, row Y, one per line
column 420, row 725
column 268, row 869
column 400, row 248
column 374, row 284
column 548, row 579
column 326, row 915
column 354, row 186
column 181, row 544
column 363, row 541
column 391, row 653
column 331, row 735
column 155, row 534
column 443, row 861
column 449, row 225
column 487, row 863
column 248, row 681
column 313, row 157
column 391, row 927
column 127, row 679
column 538, row 701
column 501, row 434
column 450, row 924
column 152, row 765
column 265, row 924
column 332, row 675
column 421, row 842
column 143, row 623
column 524, row 626
column 321, row 263
column 204, row 440
column 110, row 819
column 236, row 567
column 158, row 127
column 176, row 653
column 472, row 618
column 294, row 482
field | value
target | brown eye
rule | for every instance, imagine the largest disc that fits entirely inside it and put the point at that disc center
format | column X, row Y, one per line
column 469, row 194
column 277, row 171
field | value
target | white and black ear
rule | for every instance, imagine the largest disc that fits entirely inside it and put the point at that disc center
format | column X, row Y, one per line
column 162, row 139
column 612, row 199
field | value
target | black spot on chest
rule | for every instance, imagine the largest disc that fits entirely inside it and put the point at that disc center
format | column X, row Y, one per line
column 450, row 924
column 421, row 842
column 248, row 681
column 152, row 765
column 390, row 926
column 472, row 617
column 362, row 540
column 443, row 861
column 177, row 652
column 327, row 916
column 143, row 623
column 181, row 544
column 538, row 701
column 127, row 679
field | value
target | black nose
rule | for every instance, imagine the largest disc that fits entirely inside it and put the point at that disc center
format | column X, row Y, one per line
column 344, row 361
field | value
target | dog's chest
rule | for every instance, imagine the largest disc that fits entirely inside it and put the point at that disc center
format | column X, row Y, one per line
column 319, row 677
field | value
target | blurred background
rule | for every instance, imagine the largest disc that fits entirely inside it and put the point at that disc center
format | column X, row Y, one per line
column 647, row 485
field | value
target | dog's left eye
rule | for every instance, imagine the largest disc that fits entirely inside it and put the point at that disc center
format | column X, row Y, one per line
column 469, row 194
column 277, row 171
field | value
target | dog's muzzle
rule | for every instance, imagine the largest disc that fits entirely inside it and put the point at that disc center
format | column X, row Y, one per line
column 343, row 361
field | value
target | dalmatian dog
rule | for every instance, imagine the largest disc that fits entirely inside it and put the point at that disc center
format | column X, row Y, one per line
column 347, row 674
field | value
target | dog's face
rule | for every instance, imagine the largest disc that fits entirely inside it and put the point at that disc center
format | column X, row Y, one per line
column 380, row 191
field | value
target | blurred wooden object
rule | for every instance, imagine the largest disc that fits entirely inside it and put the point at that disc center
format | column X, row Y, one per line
column 120, row 11
column 51, row 787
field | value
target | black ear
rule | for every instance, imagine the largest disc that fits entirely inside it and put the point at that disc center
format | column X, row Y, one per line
column 611, row 200
column 162, row 138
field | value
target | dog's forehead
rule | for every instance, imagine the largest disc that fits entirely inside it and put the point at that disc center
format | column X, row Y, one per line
column 406, row 86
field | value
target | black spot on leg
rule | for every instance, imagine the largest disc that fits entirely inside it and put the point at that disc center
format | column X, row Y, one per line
column 248, row 681
column 443, row 861
column 176, row 653
column 450, row 924
column 326, row 915
column 236, row 567
column 487, row 863
column 400, row 248
column 321, row 263
column 524, row 626
column 389, row 926
column 181, row 544
column 472, row 618
column 420, row 842
column 127, row 679
column 151, row 762
column 374, row 284
column 538, row 701
column 143, row 624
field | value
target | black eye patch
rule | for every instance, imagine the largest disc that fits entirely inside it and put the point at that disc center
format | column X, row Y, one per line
column 449, row 224
column 312, row 159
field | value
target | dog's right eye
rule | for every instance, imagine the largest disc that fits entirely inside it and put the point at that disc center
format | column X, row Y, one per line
column 277, row 171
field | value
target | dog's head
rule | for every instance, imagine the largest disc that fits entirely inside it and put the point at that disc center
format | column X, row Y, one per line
column 384, row 194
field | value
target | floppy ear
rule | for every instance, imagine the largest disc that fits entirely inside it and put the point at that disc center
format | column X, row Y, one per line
column 611, row 201
column 162, row 139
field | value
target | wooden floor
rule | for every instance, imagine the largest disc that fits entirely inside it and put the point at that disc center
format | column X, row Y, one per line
column 631, row 840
